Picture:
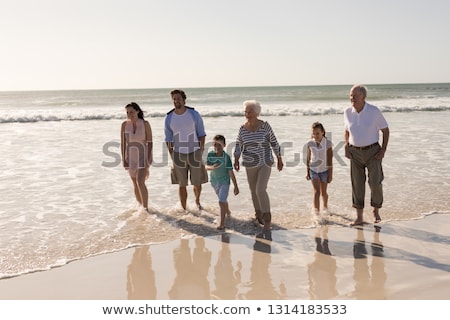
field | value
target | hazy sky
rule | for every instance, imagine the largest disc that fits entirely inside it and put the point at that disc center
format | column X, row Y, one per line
column 96, row 44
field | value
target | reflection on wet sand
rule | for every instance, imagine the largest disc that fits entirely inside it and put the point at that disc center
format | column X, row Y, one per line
column 369, row 280
column 140, row 276
column 261, row 287
column 226, row 278
column 191, row 280
column 257, row 276
column 322, row 271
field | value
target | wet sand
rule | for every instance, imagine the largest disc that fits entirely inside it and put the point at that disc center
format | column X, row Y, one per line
column 392, row 260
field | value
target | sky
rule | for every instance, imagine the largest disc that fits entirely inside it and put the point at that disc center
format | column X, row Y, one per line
column 122, row 44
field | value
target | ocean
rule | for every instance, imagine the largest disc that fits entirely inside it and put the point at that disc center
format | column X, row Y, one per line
column 65, row 195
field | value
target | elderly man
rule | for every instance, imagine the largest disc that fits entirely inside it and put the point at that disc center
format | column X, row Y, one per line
column 363, row 123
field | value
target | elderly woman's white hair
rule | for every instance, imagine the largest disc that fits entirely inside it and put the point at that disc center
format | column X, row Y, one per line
column 254, row 105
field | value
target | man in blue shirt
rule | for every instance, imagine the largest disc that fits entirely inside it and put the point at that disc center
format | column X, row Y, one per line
column 185, row 140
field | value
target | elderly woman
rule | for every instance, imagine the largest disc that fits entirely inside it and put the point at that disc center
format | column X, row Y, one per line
column 255, row 142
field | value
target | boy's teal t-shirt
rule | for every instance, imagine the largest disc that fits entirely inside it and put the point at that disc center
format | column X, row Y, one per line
column 221, row 174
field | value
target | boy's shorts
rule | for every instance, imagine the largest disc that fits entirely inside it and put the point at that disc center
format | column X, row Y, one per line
column 221, row 190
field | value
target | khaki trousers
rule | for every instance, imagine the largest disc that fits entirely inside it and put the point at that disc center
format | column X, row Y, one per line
column 258, row 178
column 362, row 159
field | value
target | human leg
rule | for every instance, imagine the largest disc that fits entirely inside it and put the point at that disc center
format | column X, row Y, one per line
column 358, row 179
column 316, row 195
column 359, row 218
column 182, row 193
column 263, row 197
column 223, row 208
column 375, row 173
column 197, row 193
column 227, row 209
column 180, row 171
column 142, row 188
column 252, row 178
column 198, row 174
column 137, row 194
column 324, row 193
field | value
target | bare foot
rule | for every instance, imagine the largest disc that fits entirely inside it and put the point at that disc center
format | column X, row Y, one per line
column 357, row 222
column 376, row 216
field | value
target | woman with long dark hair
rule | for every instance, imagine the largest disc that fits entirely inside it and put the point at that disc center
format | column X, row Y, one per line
column 136, row 147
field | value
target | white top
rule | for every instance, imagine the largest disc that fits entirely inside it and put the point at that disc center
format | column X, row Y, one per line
column 318, row 162
column 184, row 133
column 364, row 127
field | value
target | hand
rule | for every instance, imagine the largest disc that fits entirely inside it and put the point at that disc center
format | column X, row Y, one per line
column 380, row 154
column 280, row 164
column 308, row 176
column 236, row 190
column 348, row 154
column 236, row 165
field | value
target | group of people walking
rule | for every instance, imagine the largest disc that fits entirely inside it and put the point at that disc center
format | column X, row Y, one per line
column 257, row 150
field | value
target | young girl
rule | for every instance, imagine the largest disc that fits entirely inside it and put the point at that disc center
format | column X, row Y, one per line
column 319, row 166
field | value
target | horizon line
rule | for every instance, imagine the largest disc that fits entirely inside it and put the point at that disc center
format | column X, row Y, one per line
column 222, row 87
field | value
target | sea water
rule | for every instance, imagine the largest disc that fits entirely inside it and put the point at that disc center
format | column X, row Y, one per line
column 65, row 194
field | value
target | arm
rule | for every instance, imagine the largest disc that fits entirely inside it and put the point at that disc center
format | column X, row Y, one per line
column 347, row 146
column 210, row 165
column 308, row 161
column 238, row 150
column 123, row 145
column 149, row 139
column 233, row 179
column 202, row 143
column 275, row 146
column 330, row 164
column 279, row 163
column 199, row 128
column 168, row 135
column 380, row 154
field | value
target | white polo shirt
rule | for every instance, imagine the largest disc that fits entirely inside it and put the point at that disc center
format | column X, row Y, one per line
column 364, row 127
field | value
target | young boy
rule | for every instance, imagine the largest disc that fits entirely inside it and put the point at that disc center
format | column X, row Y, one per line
column 219, row 163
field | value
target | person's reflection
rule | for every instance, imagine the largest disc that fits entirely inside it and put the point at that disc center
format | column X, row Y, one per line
column 322, row 271
column 226, row 278
column 369, row 282
column 261, row 287
column 379, row 275
column 191, row 281
column 140, row 276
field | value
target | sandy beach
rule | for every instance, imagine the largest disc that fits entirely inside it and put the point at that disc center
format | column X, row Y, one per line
column 393, row 260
